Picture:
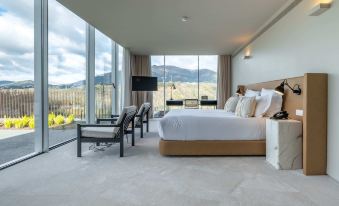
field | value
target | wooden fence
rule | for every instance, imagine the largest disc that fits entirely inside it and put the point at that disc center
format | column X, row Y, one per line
column 16, row 103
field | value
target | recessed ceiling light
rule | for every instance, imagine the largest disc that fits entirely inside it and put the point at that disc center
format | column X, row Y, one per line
column 185, row 19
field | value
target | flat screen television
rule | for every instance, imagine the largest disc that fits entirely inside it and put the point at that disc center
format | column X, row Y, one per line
column 144, row 83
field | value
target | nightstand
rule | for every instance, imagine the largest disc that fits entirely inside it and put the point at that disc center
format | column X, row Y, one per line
column 284, row 144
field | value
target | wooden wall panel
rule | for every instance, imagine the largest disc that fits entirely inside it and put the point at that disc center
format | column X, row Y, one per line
column 313, row 100
column 315, row 124
column 292, row 102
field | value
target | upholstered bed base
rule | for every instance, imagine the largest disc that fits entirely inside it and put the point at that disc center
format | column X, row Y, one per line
column 212, row 147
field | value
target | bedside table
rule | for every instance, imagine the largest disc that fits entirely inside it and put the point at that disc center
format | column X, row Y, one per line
column 284, row 144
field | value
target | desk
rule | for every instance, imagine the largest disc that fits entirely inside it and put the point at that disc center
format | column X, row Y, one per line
column 174, row 102
column 203, row 102
column 207, row 102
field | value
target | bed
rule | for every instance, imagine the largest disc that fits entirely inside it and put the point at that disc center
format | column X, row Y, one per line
column 210, row 132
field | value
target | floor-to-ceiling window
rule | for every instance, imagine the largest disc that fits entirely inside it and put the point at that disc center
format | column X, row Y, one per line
column 17, row 131
column 158, row 70
column 119, row 78
column 183, row 77
column 66, row 72
column 103, row 75
column 208, row 66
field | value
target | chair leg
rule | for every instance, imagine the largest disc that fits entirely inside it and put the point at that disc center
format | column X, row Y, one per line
column 78, row 147
column 133, row 136
column 78, row 141
column 142, row 130
column 121, row 145
column 147, row 119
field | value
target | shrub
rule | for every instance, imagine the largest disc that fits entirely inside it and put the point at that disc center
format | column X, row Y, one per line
column 18, row 123
column 8, row 123
column 70, row 119
column 25, row 121
column 58, row 120
column 51, row 118
column 31, row 123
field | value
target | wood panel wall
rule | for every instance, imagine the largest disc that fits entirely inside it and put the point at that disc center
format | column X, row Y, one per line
column 313, row 101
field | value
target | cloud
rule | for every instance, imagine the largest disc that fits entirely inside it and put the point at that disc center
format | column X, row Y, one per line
column 187, row 61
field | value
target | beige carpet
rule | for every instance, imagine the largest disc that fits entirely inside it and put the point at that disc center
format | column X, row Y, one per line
column 144, row 177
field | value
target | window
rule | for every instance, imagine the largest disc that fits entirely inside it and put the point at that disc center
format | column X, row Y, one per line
column 158, row 70
column 66, row 72
column 119, row 78
column 208, row 67
column 103, row 75
column 17, row 132
column 183, row 77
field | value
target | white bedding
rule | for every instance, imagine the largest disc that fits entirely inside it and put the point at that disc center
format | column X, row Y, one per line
column 191, row 124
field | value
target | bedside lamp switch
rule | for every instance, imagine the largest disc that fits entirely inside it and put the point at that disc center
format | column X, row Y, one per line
column 299, row 112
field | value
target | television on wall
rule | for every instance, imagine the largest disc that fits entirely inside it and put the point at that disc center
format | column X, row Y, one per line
column 144, row 83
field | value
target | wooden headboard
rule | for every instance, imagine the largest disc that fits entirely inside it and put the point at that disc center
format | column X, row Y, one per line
column 291, row 102
column 313, row 102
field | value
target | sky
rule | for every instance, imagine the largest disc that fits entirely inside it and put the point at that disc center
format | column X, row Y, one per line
column 67, row 45
column 187, row 61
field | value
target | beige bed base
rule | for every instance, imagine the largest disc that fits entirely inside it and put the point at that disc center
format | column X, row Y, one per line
column 212, row 147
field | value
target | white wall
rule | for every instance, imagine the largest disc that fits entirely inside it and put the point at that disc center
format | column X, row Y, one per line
column 297, row 44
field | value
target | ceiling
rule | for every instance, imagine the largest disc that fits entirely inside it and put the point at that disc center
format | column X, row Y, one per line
column 155, row 26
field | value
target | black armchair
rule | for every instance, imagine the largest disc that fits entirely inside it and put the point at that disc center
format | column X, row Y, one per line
column 106, row 133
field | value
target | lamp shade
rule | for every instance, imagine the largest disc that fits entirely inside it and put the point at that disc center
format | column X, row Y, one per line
column 144, row 83
column 280, row 89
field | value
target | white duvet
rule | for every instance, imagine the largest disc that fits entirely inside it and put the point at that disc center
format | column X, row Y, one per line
column 191, row 124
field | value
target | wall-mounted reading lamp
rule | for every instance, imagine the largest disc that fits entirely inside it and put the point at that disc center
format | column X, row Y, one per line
column 320, row 8
column 281, row 88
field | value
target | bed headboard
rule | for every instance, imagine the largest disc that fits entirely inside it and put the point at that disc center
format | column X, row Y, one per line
column 291, row 102
column 313, row 102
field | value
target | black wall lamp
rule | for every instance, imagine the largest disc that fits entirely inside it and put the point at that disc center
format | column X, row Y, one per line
column 295, row 89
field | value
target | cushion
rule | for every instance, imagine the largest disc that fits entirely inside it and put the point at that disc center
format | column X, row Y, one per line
column 262, row 105
column 251, row 93
column 144, row 106
column 98, row 132
column 245, row 107
column 121, row 116
column 231, row 104
column 275, row 105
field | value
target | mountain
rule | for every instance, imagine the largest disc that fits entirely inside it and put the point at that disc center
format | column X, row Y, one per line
column 173, row 73
column 178, row 74
column 16, row 85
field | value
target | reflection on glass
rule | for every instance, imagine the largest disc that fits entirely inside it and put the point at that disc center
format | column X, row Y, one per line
column 66, row 72
column 17, row 129
column 103, row 75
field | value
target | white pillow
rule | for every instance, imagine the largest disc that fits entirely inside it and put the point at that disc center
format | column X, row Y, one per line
column 251, row 93
column 262, row 105
column 245, row 107
column 276, row 101
column 275, row 105
column 268, row 92
column 231, row 104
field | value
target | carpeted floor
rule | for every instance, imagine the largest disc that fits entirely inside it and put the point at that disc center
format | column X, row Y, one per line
column 144, row 177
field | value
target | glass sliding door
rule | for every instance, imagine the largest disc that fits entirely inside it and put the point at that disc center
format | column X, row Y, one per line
column 208, row 67
column 158, row 70
column 17, row 129
column 66, row 72
column 103, row 75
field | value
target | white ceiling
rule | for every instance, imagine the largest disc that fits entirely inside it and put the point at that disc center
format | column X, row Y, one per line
column 155, row 26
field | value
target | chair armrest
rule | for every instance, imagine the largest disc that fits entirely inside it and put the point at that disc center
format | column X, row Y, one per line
column 99, row 125
column 114, row 115
column 106, row 120
column 138, row 115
